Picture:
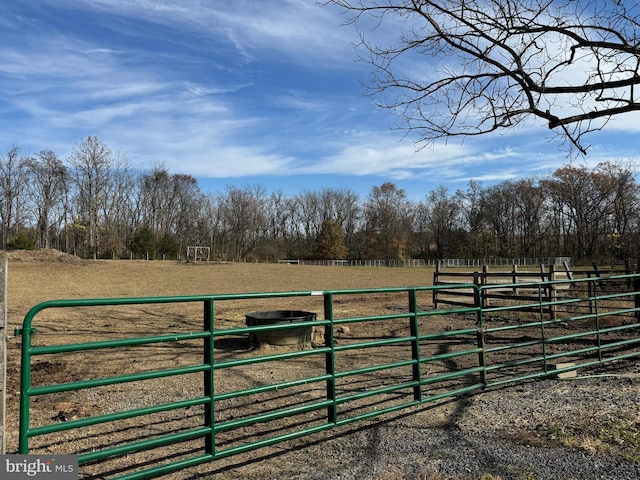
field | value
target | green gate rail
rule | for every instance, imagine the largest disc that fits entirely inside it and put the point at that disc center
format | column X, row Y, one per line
column 594, row 321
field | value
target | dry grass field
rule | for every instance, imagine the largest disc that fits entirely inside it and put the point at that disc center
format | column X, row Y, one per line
column 39, row 276
column 35, row 277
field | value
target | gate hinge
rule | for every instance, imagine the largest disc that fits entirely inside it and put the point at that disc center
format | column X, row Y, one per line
column 19, row 331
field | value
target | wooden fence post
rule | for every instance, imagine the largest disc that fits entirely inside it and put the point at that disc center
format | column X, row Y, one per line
column 567, row 270
column 3, row 352
column 542, row 273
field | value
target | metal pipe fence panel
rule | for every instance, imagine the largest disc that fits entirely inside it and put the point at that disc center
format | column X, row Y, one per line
column 184, row 386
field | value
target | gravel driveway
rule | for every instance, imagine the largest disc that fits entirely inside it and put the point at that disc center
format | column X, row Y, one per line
column 545, row 430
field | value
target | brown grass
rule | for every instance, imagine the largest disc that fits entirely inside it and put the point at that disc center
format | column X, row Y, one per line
column 39, row 276
column 35, row 277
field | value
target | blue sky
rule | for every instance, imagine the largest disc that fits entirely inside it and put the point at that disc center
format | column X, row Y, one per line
column 238, row 93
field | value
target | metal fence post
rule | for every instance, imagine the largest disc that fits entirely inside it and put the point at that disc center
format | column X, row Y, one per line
column 330, row 360
column 209, row 391
column 480, row 333
column 479, row 297
column 553, row 293
column 415, row 344
column 436, row 273
column 590, row 293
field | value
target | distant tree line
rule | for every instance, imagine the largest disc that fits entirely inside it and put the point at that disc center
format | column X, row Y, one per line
column 94, row 204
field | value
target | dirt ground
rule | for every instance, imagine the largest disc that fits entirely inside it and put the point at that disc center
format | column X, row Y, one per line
column 39, row 276
column 35, row 277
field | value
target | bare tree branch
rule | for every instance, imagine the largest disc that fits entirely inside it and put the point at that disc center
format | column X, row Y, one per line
column 470, row 67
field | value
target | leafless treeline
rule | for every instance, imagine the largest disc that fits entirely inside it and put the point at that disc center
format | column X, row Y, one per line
column 95, row 205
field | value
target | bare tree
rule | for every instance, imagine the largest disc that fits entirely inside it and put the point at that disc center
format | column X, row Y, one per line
column 343, row 206
column 517, row 214
column 439, row 223
column 91, row 163
column 172, row 206
column 502, row 218
column 243, row 220
column 313, row 209
column 388, row 221
column 470, row 67
column 187, row 202
column 12, row 187
column 278, row 210
column 589, row 202
column 480, row 241
column 308, row 219
column 625, row 215
column 118, row 206
column 48, row 183
column 155, row 201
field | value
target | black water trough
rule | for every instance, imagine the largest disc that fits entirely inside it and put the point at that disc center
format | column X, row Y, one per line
column 284, row 336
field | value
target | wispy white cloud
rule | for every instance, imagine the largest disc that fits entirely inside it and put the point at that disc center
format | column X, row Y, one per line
column 380, row 156
column 295, row 28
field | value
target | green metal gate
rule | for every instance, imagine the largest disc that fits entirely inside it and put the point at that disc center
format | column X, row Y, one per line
column 272, row 399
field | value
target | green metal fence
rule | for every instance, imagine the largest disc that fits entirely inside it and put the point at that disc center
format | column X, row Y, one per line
column 225, row 398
